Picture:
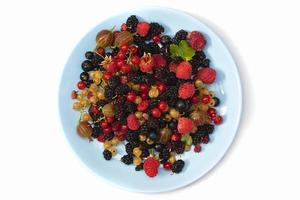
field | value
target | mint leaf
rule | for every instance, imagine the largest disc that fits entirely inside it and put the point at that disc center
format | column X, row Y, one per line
column 182, row 50
column 187, row 51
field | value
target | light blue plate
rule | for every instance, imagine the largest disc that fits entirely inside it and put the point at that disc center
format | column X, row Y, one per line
column 227, row 87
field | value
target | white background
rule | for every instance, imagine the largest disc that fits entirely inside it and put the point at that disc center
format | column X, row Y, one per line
column 36, row 38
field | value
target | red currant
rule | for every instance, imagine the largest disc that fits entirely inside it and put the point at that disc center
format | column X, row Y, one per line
column 218, row 120
column 121, row 55
column 104, row 124
column 81, row 85
column 101, row 138
column 131, row 96
column 124, row 48
column 107, row 131
column 120, row 135
column 112, row 67
column 155, row 112
column 197, row 148
column 143, row 105
column 107, row 76
column 205, row 139
column 74, row 94
column 125, row 68
column 156, row 39
column 161, row 87
column 133, row 50
column 175, row 137
column 144, row 87
column 144, row 95
column 135, row 60
column 120, row 63
column 123, row 27
column 110, row 119
column 116, row 126
column 167, row 166
column 205, row 99
column 95, row 110
column 211, row 111
column 162, row 105
column 124, row 128
column 195, row 99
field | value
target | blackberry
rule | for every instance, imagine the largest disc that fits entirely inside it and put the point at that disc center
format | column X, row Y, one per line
column 205, row 63
column 165, row 51
column 131, row 23
column 205, row 129
column 179, row 147
column 155, row 29
column 165, row 39
column 135, row 77
column 152, row 123
column 181, row 35
column 153, row 48
column 120, row 114
column 129, row 148
column 162, row 123
column 195, row 65
column 153, row 136
column 164, row 154
column 96, row 132
column 161, row 73
column 109, row 137
column 159, row 147
column 122, row 89
column 109, row 93
column 127, row 159
column 153, row 103
column 171, row 79
column 217, row 101
column 148, row 79
column 199, row 55
column 138, row 40
column 145, row 153
column 132, row 137
column 130, row 107
column 177, row 60
column 196, row 138
column 114, row 81
column 107, row 154
column 139, row 167
column 178, row 166
column 170, row 94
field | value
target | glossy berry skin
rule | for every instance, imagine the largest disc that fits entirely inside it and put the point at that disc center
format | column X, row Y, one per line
column 156, row 39
column 155, row 112
column 144, row 87
column 95, row 110
column 167, row 166
column 195, row 99
column 110, row 119
column 81, row 85
column 175, row 137
column 131, row 96
column 123, row 27
column 84, row 76
column 121, row 62
column 143, row 105
column 135, row 60
column 163, row 106
column 124, row 48
column 133, row 49
column 112, row 67
column 218, row 120
column 161, row 87
column 107, row 131
column 144, row 95
column 205, row 99
column 125, row 68
column 211, row 112
column 104, row 125
column 197, row 148
column 121, row 55
column 107, row 76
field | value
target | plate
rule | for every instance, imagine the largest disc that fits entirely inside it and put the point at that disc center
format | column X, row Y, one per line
column 227, row 88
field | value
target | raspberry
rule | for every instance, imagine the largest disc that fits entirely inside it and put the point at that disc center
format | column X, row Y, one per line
column 132, row 122
column 151, row 166
column 146, row 63
column 207, row 75
column 184, row 70
column 143, row 28
column 185, row 125
column 196, row 40
column 173, row 67
column 186, row 90
column 159, row 61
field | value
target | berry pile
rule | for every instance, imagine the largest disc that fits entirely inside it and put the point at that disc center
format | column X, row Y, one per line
column 148, row 92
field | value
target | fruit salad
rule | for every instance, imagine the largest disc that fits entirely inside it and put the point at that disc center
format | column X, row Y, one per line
column 147, row 92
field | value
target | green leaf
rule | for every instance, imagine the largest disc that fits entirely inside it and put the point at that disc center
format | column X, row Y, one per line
column 187, row 51
column 182, row 50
